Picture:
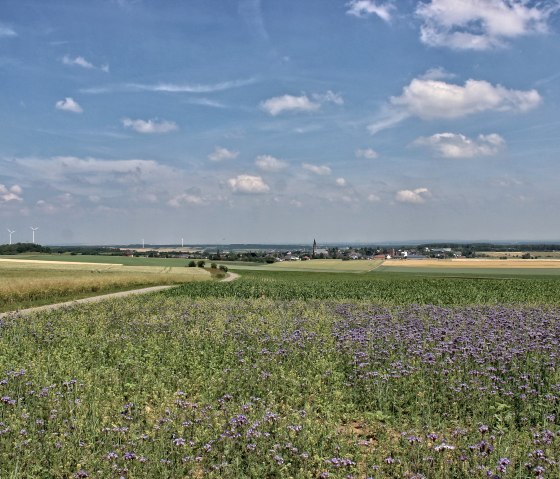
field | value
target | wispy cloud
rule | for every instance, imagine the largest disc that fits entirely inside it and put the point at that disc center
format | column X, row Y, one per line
column 221, row 154
column 270, row 164
column 83, row 63
column 6, row 31
column 368, row 153
column 68, row 104
column 321, row 170
column 150, row 126
column 170, row 87
column 364, row 8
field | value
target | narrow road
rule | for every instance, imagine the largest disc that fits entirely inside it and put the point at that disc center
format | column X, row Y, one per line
column 95, row 299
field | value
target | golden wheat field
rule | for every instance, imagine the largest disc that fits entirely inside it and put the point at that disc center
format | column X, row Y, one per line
column 25, row 283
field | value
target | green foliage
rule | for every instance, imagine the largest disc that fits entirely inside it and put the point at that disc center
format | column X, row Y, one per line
column 200, row 263
column 18, row 248
column 213, row 266
column 192, row 264
column 383, row 288
column 223, row 268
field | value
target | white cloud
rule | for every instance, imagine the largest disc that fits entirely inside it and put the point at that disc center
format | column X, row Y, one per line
column 190, row 87
column 431, row 99
column 416, row 196
column 453, row 145
column 341, row 182
column 221, row 154
column 481, row 24
column 329, row 97
column 150, row 126
column 10, row 194
column 373, row 198
column 367, row 153
column 79, row 61
column 169, row 87
column 69, row 104
column 185, row 198
column 83, row 63
column 364, row 8
column 248, row 184
column 7, row 31
column 270, row 163
column 438, row 73
column 279, row 104
column 321, row 170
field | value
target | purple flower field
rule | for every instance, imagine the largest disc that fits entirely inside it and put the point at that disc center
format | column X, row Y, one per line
column 258, row 388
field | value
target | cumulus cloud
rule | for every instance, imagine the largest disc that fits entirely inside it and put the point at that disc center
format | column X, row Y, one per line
column 12, row 193
column 150, row 126
column 221, row 154
column 481, row 24
column 341, row 182
column 367, row 153
column 321, row 170
column 270, row 164
column 417, row 196
column 248, row 184
column 453, row 145
column 69, row 104
column 279, row 104
column 373, row 198
column 432, row 99
column 364, row 8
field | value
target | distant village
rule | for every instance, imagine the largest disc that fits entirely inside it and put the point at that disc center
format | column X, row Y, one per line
column 274, row 255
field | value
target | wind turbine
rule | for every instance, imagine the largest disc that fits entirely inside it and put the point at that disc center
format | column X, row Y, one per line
column 11, row 233
column 34, row 229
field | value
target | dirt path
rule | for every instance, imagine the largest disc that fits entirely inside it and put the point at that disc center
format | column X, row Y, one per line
column 230, row 277
column 95, row 299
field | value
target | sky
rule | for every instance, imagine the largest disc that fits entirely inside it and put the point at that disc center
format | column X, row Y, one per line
column 265, row 121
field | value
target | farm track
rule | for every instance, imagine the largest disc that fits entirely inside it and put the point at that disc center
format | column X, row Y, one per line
column 95, row 299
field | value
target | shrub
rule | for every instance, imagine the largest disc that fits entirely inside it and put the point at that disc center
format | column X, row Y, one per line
column 201, row 263
column 192, row 264
column 214, row 266
column 223, row 268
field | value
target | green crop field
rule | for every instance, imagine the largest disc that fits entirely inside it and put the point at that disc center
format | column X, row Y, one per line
column 288, row 374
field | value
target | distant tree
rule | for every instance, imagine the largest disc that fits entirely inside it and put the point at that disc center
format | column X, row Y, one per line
column 223, row 268
column 192, row 263
column 214, row 266
column 200, row 263
column 526, row 256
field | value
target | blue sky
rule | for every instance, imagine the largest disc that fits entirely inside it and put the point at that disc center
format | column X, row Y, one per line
column 279, row 121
